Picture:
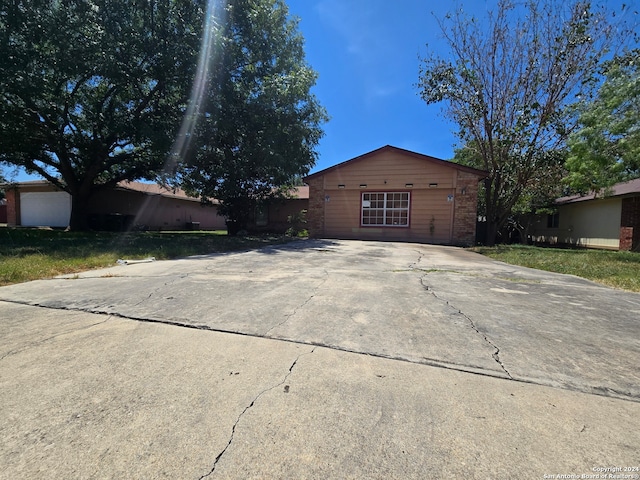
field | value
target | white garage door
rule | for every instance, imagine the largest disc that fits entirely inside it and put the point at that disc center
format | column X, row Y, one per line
column 45, row 209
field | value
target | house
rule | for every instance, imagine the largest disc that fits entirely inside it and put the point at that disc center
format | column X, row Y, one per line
column 609, row 222
column 129, row 204
column 3, row 210
column 139, row 205
column 395, row 194
column 273, row 215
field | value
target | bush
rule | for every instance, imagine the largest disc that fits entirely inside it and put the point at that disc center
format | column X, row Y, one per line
column 297, row 222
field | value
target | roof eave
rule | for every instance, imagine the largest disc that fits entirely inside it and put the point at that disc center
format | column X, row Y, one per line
column 480, row 173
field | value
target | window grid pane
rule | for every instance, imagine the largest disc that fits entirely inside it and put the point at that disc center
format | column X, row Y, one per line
column 387, row 209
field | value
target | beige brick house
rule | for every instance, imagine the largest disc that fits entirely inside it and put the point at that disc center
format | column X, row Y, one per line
column 395, row 194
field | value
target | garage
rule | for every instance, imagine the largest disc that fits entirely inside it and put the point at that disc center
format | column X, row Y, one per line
column 51, row 209
column 395, row 194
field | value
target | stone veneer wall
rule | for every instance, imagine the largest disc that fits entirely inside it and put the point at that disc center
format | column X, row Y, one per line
column 315, row 213
column 465, row 212
column 630, row 224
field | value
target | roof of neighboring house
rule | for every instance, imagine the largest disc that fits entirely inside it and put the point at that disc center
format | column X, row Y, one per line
column 155, row 189
column 28, row 183
column 390, row 148
column 301, row 192
column 619, row 189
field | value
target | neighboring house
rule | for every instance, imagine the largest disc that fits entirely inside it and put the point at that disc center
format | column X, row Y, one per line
column 130, row 204
column 395, row 194
column 3, row 210
column 608, row 222
column 138, row 205
column 273, row 216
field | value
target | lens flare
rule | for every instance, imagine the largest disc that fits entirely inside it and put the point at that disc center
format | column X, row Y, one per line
column 215, row 11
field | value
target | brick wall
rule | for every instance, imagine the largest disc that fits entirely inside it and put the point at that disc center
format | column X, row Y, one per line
column 315, row 213
column 13, row 206
column 630, row 224
column 465, row 211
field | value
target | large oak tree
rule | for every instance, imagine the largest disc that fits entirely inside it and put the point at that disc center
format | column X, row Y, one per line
column 506, row 83
column 92, row 92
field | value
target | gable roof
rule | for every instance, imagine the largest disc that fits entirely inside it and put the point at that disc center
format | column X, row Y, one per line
column 390, row 148
column 619, row 189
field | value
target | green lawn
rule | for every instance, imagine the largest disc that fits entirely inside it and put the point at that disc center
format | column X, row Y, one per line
column 30, row 254
column 615, row 269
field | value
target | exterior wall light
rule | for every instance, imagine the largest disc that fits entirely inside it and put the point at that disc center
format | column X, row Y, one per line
column 341, row 185
column 433, row 185
column 408, row 185
column 363, row 185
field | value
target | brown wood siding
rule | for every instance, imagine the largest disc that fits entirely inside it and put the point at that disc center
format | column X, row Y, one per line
column 429, row 207
column 396, row 169
column 430, row 214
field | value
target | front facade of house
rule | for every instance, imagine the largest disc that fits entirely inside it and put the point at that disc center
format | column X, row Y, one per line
column 397, row 195
column 611, row 222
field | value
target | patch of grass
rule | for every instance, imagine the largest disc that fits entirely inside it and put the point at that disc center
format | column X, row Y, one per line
column 611, row 268
column 31, row 254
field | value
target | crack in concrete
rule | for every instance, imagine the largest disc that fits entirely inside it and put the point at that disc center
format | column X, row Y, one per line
column 496, row 353
column 301, row 306
column 44, row 340
column 437, row 363
column 233, row 428
column 414, row 265
column 156, row 290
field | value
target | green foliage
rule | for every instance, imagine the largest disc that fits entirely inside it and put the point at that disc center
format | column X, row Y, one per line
column 541, row 190
column 506, row 83
column 297, row 222
column 605, row 149
column 259, row 124
column 92, row 92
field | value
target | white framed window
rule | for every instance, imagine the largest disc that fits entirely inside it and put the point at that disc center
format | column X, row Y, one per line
column 389, row 209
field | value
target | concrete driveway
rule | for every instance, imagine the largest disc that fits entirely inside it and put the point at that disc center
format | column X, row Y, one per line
column 319, row 359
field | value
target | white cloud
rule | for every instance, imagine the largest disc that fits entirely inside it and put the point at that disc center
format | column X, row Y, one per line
column 360, row 23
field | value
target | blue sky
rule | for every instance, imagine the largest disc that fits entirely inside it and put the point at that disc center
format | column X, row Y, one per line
column 366, row 54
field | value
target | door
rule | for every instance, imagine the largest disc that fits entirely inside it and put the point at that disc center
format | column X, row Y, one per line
column 45, row 209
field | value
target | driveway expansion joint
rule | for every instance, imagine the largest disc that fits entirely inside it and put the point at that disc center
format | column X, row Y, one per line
column 460, row 367
column 233, row 428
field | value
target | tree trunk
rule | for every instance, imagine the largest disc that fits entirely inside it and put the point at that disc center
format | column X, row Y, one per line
column 492, row 233
column 79, row 220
